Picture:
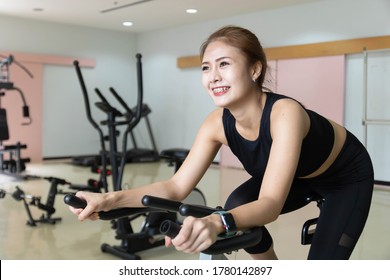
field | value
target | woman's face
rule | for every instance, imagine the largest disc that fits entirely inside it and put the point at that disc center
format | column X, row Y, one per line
column 226, row 75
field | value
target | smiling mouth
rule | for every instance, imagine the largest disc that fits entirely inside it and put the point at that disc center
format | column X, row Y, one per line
column 220, row 90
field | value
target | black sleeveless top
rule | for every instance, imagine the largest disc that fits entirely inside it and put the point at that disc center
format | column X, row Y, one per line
column 254, row 155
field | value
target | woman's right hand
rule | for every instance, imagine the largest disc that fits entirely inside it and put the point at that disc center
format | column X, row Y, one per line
column 96, row 202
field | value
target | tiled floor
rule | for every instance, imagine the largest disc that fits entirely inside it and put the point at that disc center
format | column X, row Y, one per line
column 70, row 239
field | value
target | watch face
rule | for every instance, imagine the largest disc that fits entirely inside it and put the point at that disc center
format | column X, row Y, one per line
column 229, row 222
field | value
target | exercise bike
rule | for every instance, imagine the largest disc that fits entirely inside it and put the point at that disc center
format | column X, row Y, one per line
column 171, row 228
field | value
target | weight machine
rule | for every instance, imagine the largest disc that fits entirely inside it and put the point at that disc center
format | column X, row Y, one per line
column 15, row 164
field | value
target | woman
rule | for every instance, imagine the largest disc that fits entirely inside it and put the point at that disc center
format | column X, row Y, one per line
column 288, row 150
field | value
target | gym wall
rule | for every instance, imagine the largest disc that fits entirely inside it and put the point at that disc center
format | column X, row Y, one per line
column 178, row 102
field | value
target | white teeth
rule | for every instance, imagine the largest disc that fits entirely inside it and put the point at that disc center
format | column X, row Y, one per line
column 220, row 89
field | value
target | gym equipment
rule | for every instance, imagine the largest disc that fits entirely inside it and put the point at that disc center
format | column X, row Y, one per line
column 15, row 164
column 102, row 183
column 149, row 235
column 308, row 228
column 137, row 154
column 48, row 208
column 175, row 156
column 132, row 118
column 170, row 228
column 127, row 156
column 116, row 159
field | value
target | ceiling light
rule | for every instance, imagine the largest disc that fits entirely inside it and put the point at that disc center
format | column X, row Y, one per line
column 191, row 11
column 127, row 23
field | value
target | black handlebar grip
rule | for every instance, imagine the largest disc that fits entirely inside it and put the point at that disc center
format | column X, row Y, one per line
column 162, row 203
column 169, row 228
column 77, row 202
column 74, row 201
column 197, row 211
column 226, row 245
column 234, row 243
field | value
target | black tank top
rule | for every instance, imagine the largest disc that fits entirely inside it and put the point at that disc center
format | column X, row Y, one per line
column 254, row 155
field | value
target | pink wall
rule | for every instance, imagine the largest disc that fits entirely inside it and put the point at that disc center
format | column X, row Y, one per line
column 33, row 92
column 12, row 102
column 316, row 82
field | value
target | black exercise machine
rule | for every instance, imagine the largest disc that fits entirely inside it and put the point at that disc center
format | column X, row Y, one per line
column 170, row 228
column 117, row 159
column 137, row 154
column 308, row 228
column 134, row 155
column 15, row 164
column 48, row 207
column 175, row 156
column 97, row 166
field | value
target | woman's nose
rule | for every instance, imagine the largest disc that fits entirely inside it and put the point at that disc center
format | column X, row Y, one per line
column 215, row 76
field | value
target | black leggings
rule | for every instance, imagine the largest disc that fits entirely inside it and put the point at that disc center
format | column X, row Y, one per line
column 347, row 188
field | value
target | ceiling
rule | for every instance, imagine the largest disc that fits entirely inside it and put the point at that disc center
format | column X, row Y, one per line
column 146, row 15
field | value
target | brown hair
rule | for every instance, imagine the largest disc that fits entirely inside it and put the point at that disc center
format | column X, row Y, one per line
column 244, row 40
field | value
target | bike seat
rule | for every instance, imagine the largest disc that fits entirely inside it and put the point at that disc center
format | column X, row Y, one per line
column 175, row 153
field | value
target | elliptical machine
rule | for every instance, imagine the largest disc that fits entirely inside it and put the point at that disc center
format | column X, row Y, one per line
column 149, row 235
column 104, row 172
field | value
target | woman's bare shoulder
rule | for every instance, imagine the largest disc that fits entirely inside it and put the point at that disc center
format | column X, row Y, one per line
column 213, row 125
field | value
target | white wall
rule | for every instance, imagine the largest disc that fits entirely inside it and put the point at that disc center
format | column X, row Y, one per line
column 177, row 97
column 376, row 71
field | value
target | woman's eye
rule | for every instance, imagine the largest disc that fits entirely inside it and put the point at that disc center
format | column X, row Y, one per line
column 223, row 63
column 205, row 68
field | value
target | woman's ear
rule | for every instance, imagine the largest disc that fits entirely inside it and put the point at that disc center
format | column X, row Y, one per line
column 257, row 67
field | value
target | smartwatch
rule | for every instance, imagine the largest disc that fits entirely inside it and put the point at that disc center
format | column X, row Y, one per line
column 228, row 223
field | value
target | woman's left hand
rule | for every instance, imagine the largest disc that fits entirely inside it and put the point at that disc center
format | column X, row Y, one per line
column 197, row 234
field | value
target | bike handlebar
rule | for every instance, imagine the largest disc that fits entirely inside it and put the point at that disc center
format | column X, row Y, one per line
column 155, row 204
column 77, row 202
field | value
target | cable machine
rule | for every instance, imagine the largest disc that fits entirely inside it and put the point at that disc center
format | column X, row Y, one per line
column 15, row 164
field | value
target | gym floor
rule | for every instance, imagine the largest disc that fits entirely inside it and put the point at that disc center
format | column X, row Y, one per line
column 70, row 239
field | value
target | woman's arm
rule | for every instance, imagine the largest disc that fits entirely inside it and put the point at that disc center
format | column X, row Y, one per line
column 202, row 153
